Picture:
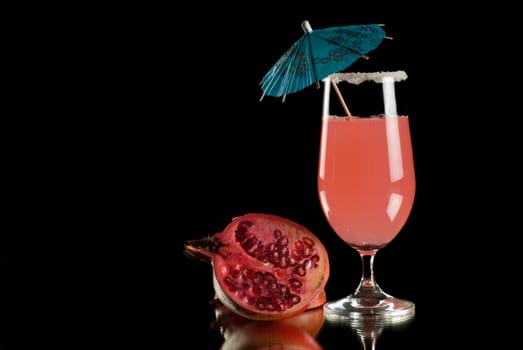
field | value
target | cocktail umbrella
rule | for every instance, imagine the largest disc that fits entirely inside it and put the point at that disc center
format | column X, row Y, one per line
column 319, row 53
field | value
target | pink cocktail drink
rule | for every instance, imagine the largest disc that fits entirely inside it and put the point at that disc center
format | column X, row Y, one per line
column 366, row 178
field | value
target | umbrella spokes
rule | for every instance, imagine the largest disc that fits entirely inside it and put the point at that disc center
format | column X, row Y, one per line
column 319, row 53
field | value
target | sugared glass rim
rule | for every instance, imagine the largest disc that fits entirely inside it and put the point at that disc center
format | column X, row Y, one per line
column 357, row 78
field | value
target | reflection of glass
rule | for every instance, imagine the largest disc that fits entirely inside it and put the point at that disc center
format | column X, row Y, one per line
column 368, row 330
column 366, row 187
column 298, row 332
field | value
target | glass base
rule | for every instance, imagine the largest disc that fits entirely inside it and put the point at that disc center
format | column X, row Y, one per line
column 388, row 310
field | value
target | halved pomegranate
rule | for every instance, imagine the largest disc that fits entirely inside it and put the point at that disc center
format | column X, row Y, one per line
column 265, row 267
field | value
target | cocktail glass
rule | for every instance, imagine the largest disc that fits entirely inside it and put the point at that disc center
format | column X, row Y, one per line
column 366, row 183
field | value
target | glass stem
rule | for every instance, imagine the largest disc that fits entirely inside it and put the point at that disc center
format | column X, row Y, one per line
column 368, row 290
column 368, row 342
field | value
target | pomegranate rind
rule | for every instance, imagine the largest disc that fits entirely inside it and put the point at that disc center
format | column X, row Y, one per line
column 265, row 267
column 318, row 301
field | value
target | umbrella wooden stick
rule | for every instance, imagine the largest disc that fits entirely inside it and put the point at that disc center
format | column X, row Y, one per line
column 342, row 100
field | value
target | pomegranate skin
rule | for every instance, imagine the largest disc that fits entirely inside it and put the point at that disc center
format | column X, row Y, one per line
column 265, row 267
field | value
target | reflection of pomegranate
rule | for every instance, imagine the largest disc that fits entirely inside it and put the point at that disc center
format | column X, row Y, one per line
column 265, row 267
column 296, row 333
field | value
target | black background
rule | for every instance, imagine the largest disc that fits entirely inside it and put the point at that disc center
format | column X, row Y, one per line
column 127, row 130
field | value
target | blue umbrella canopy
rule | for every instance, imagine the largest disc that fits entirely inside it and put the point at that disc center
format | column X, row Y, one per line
column 319, row 53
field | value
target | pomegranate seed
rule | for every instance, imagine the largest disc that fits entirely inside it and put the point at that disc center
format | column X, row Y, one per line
column 308, row 241
column 249, row 245
column 261, row 304
column 300, row 270
column 295, row 283
column 295, row 299
column 282, row 241
column 298, row 246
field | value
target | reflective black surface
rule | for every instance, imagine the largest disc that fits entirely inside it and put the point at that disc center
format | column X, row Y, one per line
column 127, row 132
